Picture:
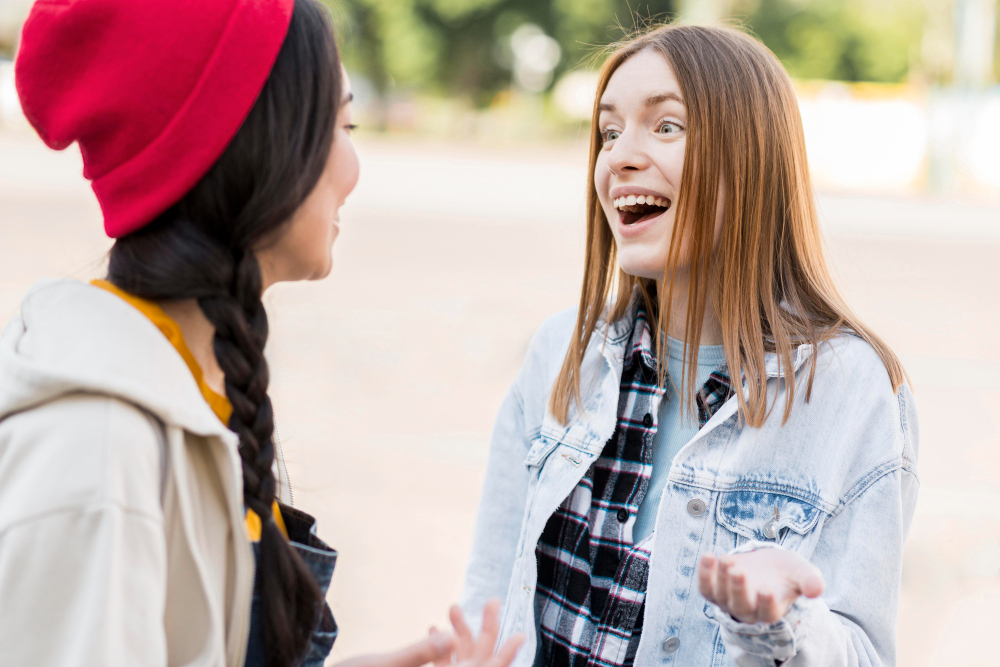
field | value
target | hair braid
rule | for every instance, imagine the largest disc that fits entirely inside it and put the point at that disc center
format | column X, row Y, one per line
column 240, row 335
column 203, row 248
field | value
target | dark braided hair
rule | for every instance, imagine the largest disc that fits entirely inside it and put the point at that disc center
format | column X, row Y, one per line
column 203, row 248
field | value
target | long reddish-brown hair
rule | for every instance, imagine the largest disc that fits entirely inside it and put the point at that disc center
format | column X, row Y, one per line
column 766, row 275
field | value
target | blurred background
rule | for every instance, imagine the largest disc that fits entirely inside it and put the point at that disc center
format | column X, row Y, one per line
column 466, row 231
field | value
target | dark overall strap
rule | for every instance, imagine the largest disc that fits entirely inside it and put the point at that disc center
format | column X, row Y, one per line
column 321, row 560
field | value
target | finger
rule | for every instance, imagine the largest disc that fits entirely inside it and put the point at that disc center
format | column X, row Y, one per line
column 722, row 582
column 738, row 599
column 443, row 660
column 463, row 635
column 457, row 618
column 507, row 652
column 810, row 581
column 434, row 648
column 491, row 627
column 706, row 572
column 767, row 608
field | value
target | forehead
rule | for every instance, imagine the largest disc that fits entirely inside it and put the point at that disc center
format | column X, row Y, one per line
column 645, row 74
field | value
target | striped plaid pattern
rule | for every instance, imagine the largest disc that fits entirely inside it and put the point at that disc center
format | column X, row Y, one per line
column 592, row 579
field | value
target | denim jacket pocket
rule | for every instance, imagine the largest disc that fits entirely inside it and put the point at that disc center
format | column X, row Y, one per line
column 744, row 515
column 765, row 516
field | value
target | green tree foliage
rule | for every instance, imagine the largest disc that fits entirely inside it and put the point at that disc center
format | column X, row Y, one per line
column 461, row 47
column 846, row 40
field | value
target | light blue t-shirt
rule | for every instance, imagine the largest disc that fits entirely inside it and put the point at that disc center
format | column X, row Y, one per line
column 674, row 428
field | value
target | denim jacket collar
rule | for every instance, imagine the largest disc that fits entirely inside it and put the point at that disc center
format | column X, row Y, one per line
column 600, row 376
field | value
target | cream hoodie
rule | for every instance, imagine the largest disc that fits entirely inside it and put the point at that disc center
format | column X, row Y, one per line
column 121, row 519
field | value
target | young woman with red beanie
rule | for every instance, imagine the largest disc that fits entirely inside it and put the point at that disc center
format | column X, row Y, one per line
column 135, row 527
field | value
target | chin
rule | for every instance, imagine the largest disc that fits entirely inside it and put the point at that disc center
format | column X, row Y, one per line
column 642, row 266
column 321, row 268
column 324, row 272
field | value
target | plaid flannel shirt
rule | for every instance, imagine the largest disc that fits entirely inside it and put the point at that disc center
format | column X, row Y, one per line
column 591, row 589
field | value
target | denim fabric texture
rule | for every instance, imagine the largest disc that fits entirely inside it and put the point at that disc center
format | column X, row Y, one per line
column 321, row 560
column 836, row 484
column 592, row 569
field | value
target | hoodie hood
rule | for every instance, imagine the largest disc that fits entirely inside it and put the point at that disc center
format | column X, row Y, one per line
column 74, row 337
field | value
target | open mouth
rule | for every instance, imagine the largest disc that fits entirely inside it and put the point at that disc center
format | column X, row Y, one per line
column 636, row 208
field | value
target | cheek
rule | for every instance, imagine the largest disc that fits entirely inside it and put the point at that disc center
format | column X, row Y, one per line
column 348, row 167
column 672, row 163
column 602, row 182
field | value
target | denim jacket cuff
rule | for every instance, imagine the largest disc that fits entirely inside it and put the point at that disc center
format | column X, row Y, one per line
column 776, row 641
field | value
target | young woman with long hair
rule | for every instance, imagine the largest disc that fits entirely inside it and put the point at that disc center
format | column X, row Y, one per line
column 711, row 460
column 140, row 521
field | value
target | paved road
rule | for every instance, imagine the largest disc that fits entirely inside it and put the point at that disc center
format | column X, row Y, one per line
column 387, row 376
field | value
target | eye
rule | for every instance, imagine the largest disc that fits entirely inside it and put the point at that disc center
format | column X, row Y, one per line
column 610, row 135
column 669, row 127
column 350, row 128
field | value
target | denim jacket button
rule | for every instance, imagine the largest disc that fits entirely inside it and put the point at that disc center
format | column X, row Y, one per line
column 671, row 645
column 771, row 529
column 696, row 507
column 647, row 421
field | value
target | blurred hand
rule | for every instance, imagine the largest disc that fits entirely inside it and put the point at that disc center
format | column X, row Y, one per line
column 472, row 652
column 443, row 648
column 759, row 586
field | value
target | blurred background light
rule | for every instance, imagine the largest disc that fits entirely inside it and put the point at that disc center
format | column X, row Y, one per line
column 574, row 94
column 535, row 57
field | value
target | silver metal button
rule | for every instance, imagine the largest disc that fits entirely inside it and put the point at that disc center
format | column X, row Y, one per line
column 671, row 645
column 771, row 527
column 696, row 507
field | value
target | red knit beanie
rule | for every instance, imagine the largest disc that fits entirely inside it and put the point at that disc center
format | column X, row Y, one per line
column 152, row 90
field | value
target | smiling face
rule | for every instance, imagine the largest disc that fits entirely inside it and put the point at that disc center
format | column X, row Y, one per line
column 637, row 174
column 304, row 249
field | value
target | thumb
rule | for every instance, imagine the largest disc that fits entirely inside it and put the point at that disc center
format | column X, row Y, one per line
column 810, row 581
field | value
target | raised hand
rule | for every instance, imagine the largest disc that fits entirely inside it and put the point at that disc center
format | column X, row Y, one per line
column 758, row 586
column 472, row 652
column 443, row 648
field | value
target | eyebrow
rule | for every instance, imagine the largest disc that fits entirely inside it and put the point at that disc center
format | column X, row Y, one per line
column 348, row 98
column 650, row 101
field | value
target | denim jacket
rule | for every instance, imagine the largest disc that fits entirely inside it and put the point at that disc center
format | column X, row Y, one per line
column 840, row 475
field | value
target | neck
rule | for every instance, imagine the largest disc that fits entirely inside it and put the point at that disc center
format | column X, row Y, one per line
column 677, row 327
column 199, row 335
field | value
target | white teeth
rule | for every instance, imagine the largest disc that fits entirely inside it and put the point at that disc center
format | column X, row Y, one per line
column 648, row 200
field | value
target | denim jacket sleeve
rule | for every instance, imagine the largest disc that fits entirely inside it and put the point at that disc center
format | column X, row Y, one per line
column 504, row 500
column 501, row 508
column 859, row 553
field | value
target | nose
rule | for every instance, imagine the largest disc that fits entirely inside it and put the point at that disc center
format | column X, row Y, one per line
column 627, row 154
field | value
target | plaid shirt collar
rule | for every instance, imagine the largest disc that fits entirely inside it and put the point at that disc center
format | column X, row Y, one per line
column 710, row 397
